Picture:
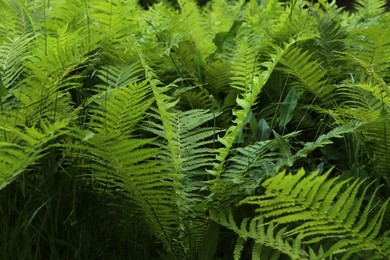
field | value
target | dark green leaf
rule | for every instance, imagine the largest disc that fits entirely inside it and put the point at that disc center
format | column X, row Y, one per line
column 287, row 108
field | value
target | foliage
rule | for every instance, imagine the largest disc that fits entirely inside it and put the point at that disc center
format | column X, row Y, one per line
column 167, row 131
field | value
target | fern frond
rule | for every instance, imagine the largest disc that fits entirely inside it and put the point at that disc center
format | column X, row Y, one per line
column 309, row 73
column 221, row 15
column 265, row 236
column 194, row 26
column 19, row 20
column 118, row 160
column 244, row 67
column 369, row 48
column 26, row 147
column 367, row 102
column 245, row 103
column 251, row 164
column 325, row 139
column 121, row 75
column 44, row 92
column 370, row 8
column 193, row 156
column 184, row 144
column 246, row 169
column 131, row 165
column 217, row 77
column 330, row 43
column 317, row 208
column 13, row 53
column 165, row 106
column 377, row 135
column 118, row 111
column 289, row 20
column 65, row 16
column 192, row 140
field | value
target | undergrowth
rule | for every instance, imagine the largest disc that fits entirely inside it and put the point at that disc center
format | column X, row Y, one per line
column 227, row 130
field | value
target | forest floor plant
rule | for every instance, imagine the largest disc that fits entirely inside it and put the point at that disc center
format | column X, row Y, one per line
column 254, row 129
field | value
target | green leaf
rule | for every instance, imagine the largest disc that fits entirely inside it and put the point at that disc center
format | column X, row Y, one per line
column 287, row 107
column 264, row 130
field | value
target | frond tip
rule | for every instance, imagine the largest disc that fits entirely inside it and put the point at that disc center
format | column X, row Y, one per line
column 317, row 208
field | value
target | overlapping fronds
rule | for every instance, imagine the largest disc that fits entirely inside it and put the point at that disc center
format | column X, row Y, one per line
column 192, row 156
column 178, row 109
column 21, row 148
column 118, row 159
column 269, row 239
column 114, row 25
column 118, row 111
column 193, row 24
column 309, row 73
column 13, row 53
column 247, row 99
column 19, row 18
column 121, row 75
column 65, row 16
column 317, row 208
column 369, row 103
column 45, row 92
column 369, row 48
column 185, row 149
column 249, row 165
column 370, row 8
column 330, row 43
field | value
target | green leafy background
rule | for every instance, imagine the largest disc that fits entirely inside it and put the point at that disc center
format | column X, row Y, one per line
column 230, row 130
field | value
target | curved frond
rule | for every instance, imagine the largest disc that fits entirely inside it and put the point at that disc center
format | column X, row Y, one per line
column 13, row 53
column 119, row 110
column 309, row 73
column 318, row 208
column 22, row 148
column 193, row 24
column 370, row 8
column 266, row 237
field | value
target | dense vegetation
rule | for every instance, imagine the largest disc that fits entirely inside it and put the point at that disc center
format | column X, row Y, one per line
column 233, row 130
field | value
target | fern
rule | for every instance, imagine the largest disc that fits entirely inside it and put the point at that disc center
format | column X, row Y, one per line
column 370, row 8
column 111, row 27
column 120, row 75
column 194, row 156
column 19, row 20
column 25, row 147
column 119, row 110
column 249, row 165
column 125, row 103
column 193, row 22
column 13, row 53
column 245, row 103
column 118, row 159
column 369, row 48
column 322, row 210
column 263, row 235
column 309, row 73
column 184, row 148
